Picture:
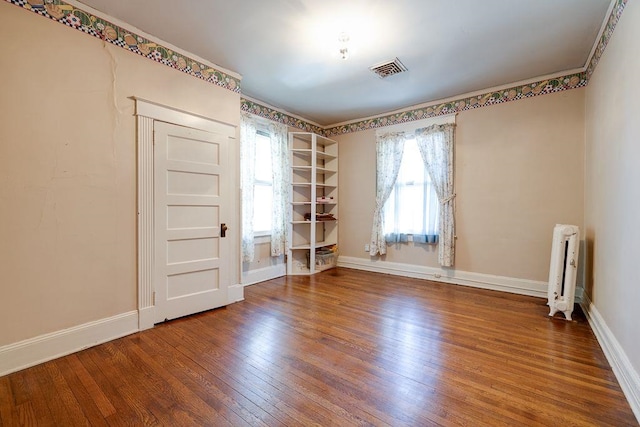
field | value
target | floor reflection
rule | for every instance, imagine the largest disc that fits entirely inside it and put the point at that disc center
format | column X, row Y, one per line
column 411, row 350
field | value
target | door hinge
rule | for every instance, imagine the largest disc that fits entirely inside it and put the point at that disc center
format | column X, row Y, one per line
column 154, row 298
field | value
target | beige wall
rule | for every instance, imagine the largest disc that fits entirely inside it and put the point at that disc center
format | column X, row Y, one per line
column 262, row 257
column 612, row 208
column 518, row 169
column 68, row 170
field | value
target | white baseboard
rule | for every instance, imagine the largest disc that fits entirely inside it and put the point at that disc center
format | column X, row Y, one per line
column 252, row 277
column 457, row 277
column 30, row 352
column 236, row 293
column 625, row 373
column 147, row 318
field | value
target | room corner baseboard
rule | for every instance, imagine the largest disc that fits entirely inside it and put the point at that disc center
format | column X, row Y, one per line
column 30, row 352
column 252, row 277
column 625, row 373
column 457, row 277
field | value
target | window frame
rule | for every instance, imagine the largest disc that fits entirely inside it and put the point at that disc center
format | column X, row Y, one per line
column 260, row 235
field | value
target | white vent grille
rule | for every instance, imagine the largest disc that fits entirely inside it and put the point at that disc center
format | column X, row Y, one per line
column 388, row 68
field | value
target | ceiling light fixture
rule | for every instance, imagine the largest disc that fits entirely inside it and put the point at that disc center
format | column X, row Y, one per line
column 343, row 38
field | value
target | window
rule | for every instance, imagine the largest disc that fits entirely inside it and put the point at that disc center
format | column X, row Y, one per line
column 263, row 187
column 405, row 200
column 264, row 159
column 412, row 207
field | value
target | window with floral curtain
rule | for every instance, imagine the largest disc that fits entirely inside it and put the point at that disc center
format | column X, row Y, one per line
column 412, row 207
column 389, row 148
column 414, row 191
column 262, row 186
column 280, row 186
column 264, row 160
column 436, row 148
column 247, row 183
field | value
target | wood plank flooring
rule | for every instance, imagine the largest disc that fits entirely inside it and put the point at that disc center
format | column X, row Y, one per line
column 344, row 347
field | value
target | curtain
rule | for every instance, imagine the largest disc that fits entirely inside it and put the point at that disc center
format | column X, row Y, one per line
column 247, row 181
column 436, row 148
column 281, row 188
column 389, row 148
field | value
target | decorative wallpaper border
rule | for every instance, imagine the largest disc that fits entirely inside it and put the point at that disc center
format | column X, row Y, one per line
column 81, row 20
column 542, row 87
column 87, row 23
column 614, row 17
column 571, row 81
column 278, row 116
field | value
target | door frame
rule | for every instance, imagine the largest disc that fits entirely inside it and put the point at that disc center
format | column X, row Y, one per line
column 147, row 113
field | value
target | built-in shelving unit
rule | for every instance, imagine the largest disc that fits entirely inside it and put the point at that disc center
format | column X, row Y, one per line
column 313, row 227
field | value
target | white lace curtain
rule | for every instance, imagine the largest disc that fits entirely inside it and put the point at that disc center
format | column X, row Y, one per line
column 389, row 148
column 280, row 185
column 247, row 182
column 280, row 168
column 436, row 147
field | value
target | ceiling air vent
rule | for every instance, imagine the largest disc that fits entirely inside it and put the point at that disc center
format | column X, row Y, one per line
column 388, row 68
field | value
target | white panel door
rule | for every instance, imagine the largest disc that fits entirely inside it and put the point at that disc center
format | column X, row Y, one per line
column 191, row 255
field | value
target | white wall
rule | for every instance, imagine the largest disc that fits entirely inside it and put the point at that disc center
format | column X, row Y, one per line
column 612, row 201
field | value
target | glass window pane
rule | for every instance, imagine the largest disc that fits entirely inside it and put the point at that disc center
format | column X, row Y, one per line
column 263, row 158
column 412, row 207
column 262, row 208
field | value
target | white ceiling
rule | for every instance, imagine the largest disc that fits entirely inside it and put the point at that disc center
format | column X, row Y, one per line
column 287, row 50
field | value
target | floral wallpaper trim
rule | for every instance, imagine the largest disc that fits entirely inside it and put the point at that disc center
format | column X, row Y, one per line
column 73, row 17
column 616, row 12
column 543, row 87
column 571, row 81
column 278, row 116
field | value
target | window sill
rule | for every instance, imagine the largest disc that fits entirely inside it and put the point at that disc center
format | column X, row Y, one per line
column 410, row 239
column 264, row 237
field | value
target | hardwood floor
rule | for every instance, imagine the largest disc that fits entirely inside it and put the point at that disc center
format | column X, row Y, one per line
column 344, row 347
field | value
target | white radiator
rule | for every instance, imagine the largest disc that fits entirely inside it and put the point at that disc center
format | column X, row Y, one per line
column 563, row 269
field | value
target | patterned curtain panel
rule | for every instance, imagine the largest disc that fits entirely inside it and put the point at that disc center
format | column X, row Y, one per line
column 247, row 182
column 389, row 148
column 436, row 147
column 281, row 187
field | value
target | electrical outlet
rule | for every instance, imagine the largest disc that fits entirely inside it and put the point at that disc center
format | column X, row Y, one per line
column 366, row 248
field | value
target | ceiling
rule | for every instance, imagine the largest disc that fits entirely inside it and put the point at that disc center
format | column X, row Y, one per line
column 287, row 51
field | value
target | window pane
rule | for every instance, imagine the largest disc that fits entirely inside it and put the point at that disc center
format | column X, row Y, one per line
column 412, row 169
column 411, row 213
column 263, row 158
column 412, row 207
column 262, row 208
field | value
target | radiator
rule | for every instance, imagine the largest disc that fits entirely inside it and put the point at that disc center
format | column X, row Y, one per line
column 563, row 269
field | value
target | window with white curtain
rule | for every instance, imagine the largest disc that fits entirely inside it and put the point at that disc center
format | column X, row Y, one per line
column 263, row 185
column 412, row 207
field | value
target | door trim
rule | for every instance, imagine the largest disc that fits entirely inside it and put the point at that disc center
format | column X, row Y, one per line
column 147, row 113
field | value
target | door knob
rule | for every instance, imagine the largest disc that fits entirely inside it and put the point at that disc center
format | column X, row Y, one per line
column 223, row 230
